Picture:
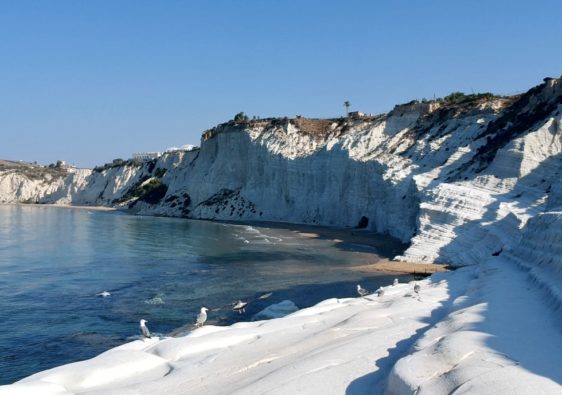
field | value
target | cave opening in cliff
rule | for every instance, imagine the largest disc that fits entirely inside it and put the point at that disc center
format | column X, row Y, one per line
column 363, row 222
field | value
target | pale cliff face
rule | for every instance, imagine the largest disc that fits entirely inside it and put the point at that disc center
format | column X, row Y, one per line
column 458, row 181
column 31, row 183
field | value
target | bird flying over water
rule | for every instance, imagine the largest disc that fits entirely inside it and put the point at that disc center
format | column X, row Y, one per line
column 240, row 306
column 144, row 329
column 201, row 317
column 362, row 291
column 103, row 294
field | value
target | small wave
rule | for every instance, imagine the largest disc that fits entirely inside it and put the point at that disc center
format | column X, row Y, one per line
column 251, row 229
column 269, row 238
column 155, row 300
column 241, row 238
column 259, row 235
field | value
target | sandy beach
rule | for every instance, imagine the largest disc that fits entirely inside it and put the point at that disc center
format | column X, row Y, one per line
column 386, row 265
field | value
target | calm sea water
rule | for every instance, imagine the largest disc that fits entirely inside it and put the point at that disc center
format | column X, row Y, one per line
column 53, row 261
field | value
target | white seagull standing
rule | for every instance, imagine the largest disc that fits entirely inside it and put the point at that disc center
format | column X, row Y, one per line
column 417, row 288
column 201, row 317
column 395, row 283
column 240, row 306
column 144, row 329
column 362, row 291
column 380, row 292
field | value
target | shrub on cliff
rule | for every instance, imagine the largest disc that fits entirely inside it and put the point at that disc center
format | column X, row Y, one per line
column 159, row 173
column 459, row 97
column 241, row 118
column 454, row 97
column 115, row 163
column 151, row 192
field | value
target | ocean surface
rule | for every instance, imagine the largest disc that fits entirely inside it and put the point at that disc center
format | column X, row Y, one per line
column 53, row 262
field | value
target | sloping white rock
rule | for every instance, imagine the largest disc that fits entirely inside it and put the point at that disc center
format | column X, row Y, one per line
column 477, row 330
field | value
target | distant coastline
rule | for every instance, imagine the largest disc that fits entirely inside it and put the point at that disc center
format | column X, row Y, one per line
column 96, row 208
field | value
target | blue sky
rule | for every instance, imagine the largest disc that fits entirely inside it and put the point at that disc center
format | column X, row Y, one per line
column 89, row 81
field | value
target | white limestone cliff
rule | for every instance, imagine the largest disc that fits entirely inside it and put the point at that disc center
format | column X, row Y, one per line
column 458, row 180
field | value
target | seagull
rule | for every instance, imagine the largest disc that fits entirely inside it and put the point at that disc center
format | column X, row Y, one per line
column 380, row 292
column 201, row 317
column 144, row 330
column 240, row 306
column 362, row 291
column 417, row 288
column 395, row 283
column 103, row 294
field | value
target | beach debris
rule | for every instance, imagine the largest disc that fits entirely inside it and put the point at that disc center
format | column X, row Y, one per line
column 144, row 329
column 362, row 291
column 103, row 294
column 240, row 306
column 201, row 317
column 395, row 282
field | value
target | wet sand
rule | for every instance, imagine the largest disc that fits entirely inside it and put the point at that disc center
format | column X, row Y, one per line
column 351, row 239
column 386, row 265
column 382, row 247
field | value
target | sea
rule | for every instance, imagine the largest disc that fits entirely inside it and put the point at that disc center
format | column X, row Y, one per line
column 54, row 261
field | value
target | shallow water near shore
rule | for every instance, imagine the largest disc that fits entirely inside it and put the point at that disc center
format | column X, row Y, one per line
column 53, row 262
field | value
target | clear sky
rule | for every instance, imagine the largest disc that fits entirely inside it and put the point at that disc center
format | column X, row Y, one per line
column 90, row 81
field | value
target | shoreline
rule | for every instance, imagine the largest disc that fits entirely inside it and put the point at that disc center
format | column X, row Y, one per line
column 347, row 238
column 66, row 206
column 381, row 245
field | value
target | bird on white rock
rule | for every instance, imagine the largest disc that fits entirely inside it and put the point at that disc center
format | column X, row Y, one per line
column 201, row 317
column 144, row 329
column 395, row 283
column 362, row 291
column 417, row 288
column 240, row 306
column 380, row 292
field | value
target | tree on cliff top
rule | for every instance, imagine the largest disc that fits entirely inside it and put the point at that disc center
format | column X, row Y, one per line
column 240, row 117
